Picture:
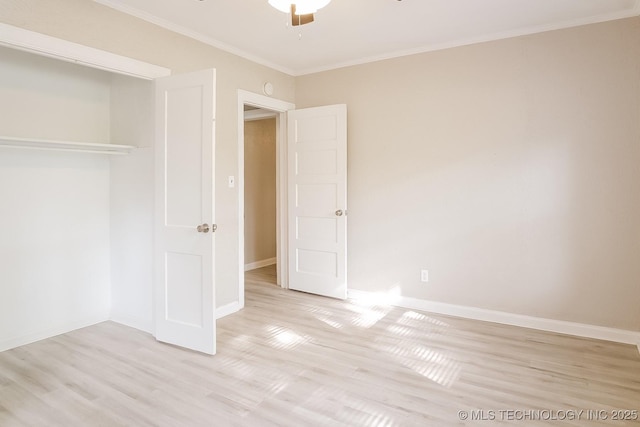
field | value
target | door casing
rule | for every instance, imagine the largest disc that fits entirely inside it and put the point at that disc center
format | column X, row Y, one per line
column 280, row 107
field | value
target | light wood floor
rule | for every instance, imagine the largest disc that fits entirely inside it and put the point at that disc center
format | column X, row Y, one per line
column 291, row 359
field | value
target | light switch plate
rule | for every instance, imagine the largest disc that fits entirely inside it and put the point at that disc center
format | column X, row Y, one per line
column 424, row 275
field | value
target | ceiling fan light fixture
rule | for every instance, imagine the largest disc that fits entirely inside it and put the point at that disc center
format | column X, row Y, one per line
column 303, row 7
column 281, row 5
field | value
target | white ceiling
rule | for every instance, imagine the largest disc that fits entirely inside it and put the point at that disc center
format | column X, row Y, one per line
column 349, row 32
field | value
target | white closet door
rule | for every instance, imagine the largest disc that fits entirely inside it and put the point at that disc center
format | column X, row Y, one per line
column 184, row 257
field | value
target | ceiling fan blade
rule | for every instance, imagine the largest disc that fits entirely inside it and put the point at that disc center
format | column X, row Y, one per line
column 300, row 19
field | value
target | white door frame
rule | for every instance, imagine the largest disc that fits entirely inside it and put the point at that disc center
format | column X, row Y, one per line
column 280, row 107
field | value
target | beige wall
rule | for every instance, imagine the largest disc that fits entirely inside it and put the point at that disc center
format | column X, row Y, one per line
column 509, row 169
column 91, row 24
column 260, row 190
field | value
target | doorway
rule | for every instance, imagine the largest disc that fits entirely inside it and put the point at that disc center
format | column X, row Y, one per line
column 267, row 108
column 320, row 264
column 260, row 195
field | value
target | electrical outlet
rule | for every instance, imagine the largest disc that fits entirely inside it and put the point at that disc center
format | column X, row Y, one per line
column 424, row 275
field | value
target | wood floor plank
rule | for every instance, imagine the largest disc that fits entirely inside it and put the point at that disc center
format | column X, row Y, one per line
column 293, row 359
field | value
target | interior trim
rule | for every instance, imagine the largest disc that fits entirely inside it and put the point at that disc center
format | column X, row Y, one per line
column 280, row 107
column 259, row 114
column 631, row 12
column 52, row 47
column 260, row 264
column 549, row 325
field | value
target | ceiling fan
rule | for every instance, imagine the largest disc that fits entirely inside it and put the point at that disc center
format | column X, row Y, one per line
column 301, row 11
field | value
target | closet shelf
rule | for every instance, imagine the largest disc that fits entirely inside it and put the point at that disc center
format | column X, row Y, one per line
column 46, row 144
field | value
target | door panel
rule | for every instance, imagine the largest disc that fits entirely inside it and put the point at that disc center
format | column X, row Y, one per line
column 184, row 279
column 320, row 128
column 316, row 198
column 184, row 287
column 320, row 229
column 317, row 162
column 317, row 152
column 324, row 264
column 184, row 161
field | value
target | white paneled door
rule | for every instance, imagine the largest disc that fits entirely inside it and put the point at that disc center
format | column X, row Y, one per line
column 317, row 200
column 184, row 239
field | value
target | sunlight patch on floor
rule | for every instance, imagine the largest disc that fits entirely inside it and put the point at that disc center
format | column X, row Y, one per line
column 241, row 342
column 412, row 317
column 345, row 408
column 328, row 321
column 443, row 370
column 365, row 317
column 284, row 338
column 371, row 308
column 413, row 354
column 327, row 317
column 380, row 299
column 278, row 384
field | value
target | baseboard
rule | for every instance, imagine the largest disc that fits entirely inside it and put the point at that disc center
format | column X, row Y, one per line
column 227, row 309
column 259, row 264
column 135, row 322
column 549, row 325
column 13, row 342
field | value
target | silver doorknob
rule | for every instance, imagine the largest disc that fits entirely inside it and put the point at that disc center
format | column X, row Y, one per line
column 339, row 212
column 204, row 228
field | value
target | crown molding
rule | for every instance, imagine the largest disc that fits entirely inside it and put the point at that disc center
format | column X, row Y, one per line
column 195, row 35
column 632, row 12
